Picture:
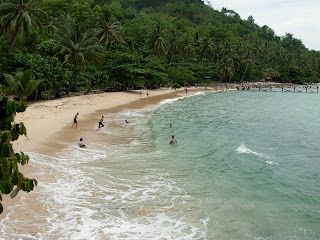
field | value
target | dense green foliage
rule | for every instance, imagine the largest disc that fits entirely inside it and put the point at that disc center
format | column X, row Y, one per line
column 9, row 160
column 72, row 44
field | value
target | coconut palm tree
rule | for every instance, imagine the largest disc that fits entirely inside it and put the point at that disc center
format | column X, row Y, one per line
column 206, row 46
column 246, row 60
column 22, row 83
column 187, row 46
column 227, row 48
column 157, row 41
column 226, row 67
column 17, row 17
column 119, row 44
column 75, row 46
column 270, row 72
column 174, row 46
column 108, row 31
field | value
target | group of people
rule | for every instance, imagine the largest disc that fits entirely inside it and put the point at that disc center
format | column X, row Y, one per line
column 100, row 125
column 140, row 92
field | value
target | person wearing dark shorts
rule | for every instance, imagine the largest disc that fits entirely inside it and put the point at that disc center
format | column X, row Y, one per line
column 101, row 122
column 80, row 143
column 75, row 120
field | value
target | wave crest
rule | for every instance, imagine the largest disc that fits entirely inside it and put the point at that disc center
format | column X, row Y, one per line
column 242, row 149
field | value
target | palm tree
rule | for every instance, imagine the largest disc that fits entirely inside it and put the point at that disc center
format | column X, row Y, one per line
column 108, row 31
column 270, row 72
column 216, row 51
column 247, row 60
column 119, row 44
column 18, row 17
column 206, row 46
column 187, row 46
column 22, row 83
column 157, row 41
column 174, row 47
column 227, row 48
column 75, row 46
column 226, row 67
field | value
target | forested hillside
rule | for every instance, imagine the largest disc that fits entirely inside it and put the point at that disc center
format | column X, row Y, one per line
column 82, row 44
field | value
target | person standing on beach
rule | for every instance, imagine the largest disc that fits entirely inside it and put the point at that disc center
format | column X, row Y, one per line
column 186, row 90
column 173, row 140
column 140, row 92
column 101, row 122
column 75, row 120
column 147, row 93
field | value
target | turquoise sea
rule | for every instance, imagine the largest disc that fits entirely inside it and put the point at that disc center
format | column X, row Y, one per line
column 246, row 166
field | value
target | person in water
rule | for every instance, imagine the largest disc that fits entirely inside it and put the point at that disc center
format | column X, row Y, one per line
column 80, row 143
column 170, row 125
column 101, row 122
column 75, row 120
column 126, row 122
column 173, row 140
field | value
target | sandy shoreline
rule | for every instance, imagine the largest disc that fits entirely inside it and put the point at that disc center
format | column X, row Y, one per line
column 49, row 123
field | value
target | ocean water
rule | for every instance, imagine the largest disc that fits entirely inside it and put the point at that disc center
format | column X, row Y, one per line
column 246, row 166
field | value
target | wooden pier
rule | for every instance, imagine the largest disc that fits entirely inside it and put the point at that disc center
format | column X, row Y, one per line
column 281, row 88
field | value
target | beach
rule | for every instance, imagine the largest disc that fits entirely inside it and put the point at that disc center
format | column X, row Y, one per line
column 234, row 172
column 49, row 123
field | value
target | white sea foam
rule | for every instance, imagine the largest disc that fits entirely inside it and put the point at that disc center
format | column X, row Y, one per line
column 199, row 93
column 179, row 98
column 87, row 199
column 272, row 163
column 170, row 100
column 132, row 113
column 242, row 149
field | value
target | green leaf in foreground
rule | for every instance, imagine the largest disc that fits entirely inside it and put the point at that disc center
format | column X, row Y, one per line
column 9, row 160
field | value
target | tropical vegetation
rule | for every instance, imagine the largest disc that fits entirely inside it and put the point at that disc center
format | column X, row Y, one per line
column 121, row 44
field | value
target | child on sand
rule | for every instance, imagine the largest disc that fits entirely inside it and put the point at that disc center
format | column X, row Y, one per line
column 80, row 144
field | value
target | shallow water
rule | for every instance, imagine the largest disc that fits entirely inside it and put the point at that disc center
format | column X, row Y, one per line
column 246, row 166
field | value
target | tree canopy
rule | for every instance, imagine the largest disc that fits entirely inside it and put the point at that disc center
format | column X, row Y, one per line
column 73, row 44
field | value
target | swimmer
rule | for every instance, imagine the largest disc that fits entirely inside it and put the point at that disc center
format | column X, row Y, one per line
column 126, row 122
column 170, row 125
column 173, row 140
